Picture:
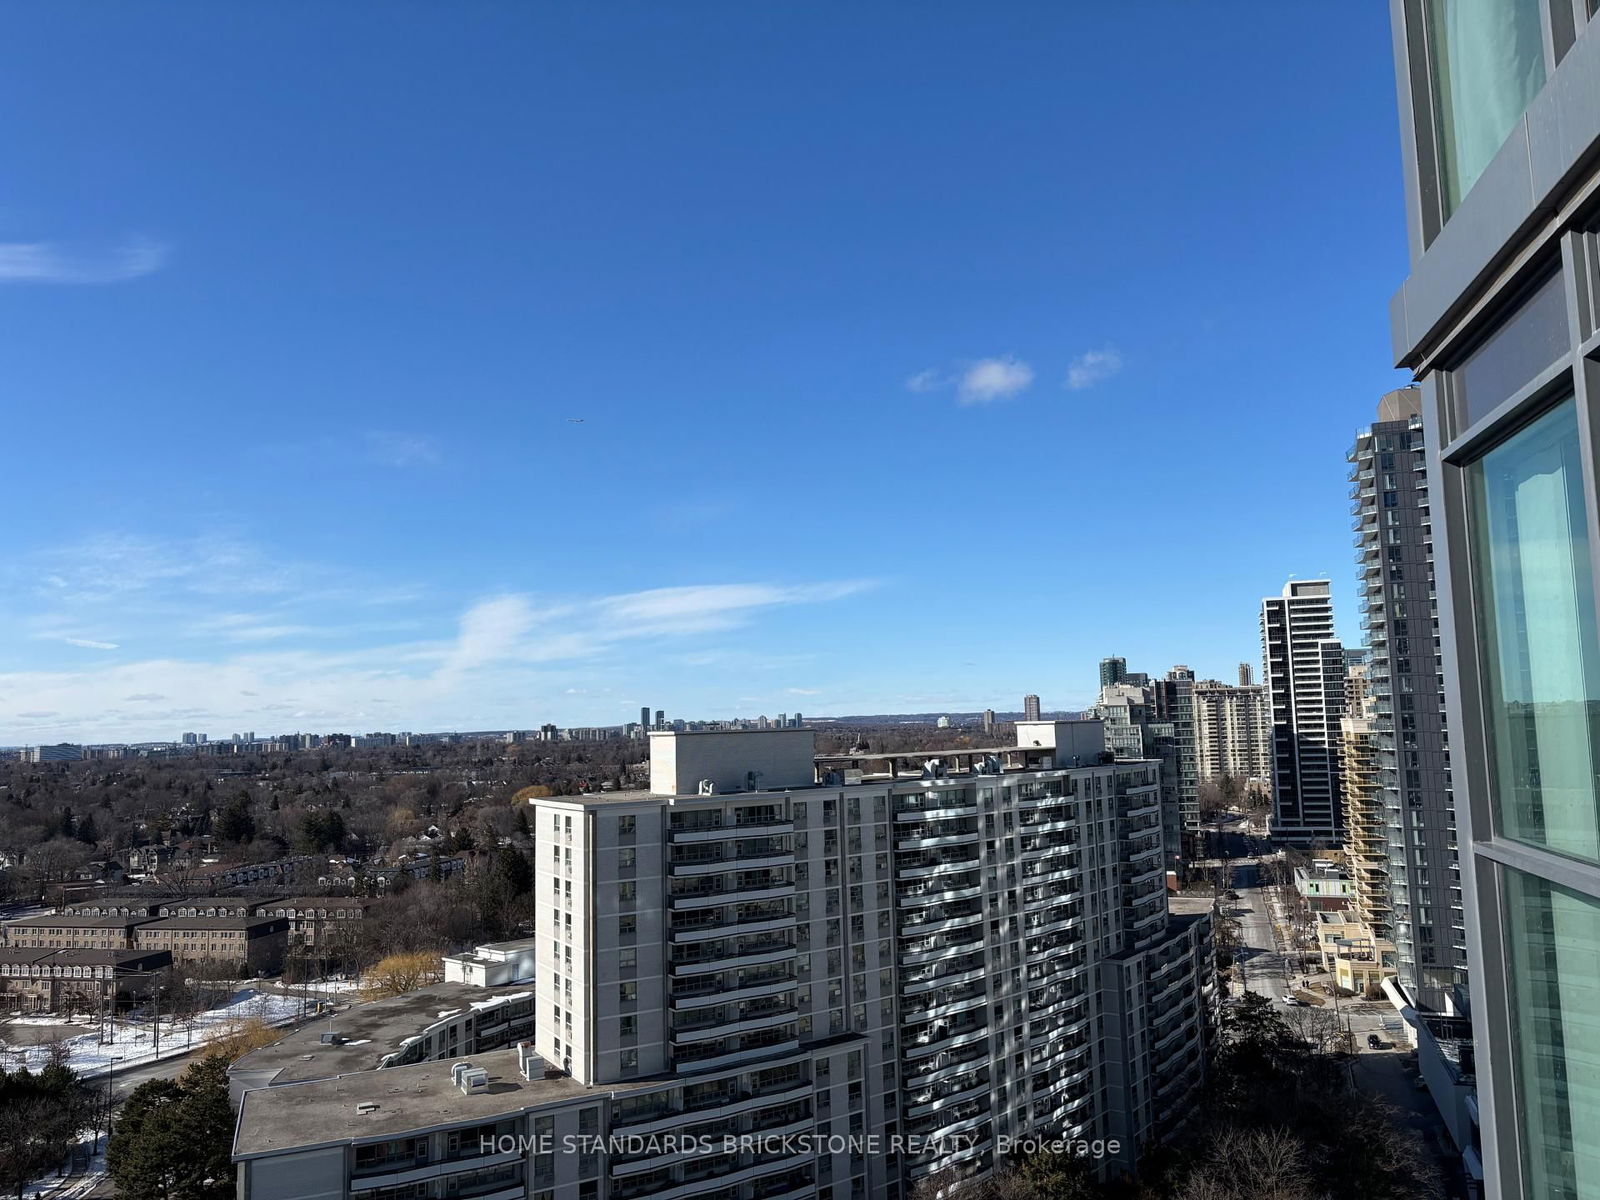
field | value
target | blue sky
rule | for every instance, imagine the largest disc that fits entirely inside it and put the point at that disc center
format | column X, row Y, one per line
column 924, row 354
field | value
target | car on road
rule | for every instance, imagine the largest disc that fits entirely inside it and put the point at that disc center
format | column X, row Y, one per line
column 1231, row 894
column 1374, row 1042
column 1292, row 1000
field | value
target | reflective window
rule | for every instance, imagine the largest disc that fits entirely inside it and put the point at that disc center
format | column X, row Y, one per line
column 1527, row 341
column 1534, row 597
column 1488, row 64
column 1552, row 938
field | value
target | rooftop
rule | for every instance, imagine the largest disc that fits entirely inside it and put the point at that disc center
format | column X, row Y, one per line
column 75, row 957
column 370, row 1031
column 318, row 902
column 76, row 921
column 209, row 923
column 324, row 1112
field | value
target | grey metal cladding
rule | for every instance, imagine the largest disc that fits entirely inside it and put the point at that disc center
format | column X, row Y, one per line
column 1556, row 137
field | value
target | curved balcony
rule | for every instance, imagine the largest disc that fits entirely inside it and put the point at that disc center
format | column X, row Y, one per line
column 936, row 893
column 930, row 1042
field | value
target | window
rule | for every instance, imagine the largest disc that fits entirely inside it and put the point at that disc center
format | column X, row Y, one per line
column 627, row 958
column 627, row 858
column 627, row 923
column 1488, row 64
column 630, row 1060
column 1553, row 972
column 630, row 1027
column 1537, row 645
column 628, row 993
column 626, row 892
column 627, row 824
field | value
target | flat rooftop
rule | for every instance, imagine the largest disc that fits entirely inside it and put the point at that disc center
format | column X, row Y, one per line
column 1186, row 906
column 324, row 1112
column 246, row 923
column 371, row 1030
column 76, row 921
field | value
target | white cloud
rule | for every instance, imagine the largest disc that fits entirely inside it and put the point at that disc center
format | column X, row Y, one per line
column 804, row 691
column 991, row 379
column 710, row 606
column 1092, row 367
column 926, row 381
column 89, row 643
column 51, row 262
column 401, row 449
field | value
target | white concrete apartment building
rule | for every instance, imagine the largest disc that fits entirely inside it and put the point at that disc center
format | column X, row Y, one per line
column 917, row 957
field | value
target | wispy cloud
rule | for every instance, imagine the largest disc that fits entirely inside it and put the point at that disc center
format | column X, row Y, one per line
column 991, row 379
column 54, row 262
column 89, row 643
column 401, row 450
column 981, row 382
column 1092, row 367
column 504, row 655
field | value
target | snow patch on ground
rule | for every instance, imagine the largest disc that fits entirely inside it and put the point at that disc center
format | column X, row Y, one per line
column 135, row 1042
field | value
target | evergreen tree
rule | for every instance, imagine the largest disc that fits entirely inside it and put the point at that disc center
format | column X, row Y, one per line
column 40, row 1117
column 174, row 1138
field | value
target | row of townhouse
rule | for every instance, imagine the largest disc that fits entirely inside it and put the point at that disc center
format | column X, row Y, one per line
column 249, row 945
column 34, row 979
column 314, row 921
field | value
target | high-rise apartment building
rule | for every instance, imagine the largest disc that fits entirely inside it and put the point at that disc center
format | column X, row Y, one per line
column 1498, row 321
column 1247, row 675
column 915, row 956
column 1303, row 668
column 1113, row 670
column 1394, row 531
column 1233, row 730
column 1172, row 703
column 1030, row 707
column 1157, row 719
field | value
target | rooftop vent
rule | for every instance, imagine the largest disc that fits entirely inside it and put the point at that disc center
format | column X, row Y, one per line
column 706, row 788
column 367, row 1106
column 468, row 1078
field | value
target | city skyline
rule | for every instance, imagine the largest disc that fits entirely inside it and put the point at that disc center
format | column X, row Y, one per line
column 553, row 449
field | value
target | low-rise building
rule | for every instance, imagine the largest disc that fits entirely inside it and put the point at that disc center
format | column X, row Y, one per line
column 252, row 945
column 492, row 964
column 40, row 980
column 1358, row 960
column 1325, row 886
column 317, row 922
column 72, row 931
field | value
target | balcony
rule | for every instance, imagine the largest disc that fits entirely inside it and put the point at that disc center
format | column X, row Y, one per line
column 751, row 1023
column 727, row 1052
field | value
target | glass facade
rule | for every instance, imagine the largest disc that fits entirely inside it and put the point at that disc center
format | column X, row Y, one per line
column 1552, row 944
column 1488, row 64
column 1537, row 646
